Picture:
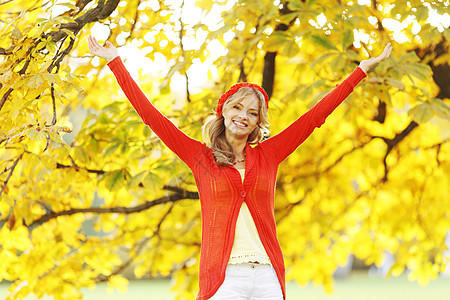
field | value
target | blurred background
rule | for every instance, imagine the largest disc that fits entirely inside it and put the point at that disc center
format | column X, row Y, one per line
column 91, row 201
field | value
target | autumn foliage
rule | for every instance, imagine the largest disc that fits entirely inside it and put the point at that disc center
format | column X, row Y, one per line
column 88, row 192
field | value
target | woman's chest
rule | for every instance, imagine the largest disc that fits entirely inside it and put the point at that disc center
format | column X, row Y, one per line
column 228, row 183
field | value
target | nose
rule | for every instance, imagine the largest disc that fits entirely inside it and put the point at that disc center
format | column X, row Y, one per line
column 243, row 115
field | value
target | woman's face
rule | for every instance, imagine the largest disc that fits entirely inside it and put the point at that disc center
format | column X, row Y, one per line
column 242, row 118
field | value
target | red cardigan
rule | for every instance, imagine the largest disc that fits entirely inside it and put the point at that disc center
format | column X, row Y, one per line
column 221, row 190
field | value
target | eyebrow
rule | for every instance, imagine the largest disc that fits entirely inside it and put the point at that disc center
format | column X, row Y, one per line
column 248, row 109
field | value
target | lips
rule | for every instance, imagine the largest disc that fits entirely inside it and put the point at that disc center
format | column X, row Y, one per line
column 240, row 124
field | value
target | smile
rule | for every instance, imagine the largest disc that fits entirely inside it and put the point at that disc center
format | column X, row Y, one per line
column 237, row 123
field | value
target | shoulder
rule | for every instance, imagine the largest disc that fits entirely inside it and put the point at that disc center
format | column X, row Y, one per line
column 203, row 153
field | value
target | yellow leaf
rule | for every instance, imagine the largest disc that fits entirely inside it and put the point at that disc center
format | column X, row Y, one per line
column 36, row 81
column 6, row 77
column 15, row 239
column 118, row 282
column 140, row 270
column 16, row 34
column 34, row 134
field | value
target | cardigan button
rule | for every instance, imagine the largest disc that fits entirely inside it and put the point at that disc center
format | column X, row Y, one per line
column 243, row 194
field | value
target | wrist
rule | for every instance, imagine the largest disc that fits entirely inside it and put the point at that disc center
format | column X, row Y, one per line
column 111, row 58
column 364, row 68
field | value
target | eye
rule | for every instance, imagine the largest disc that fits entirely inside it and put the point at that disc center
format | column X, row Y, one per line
column 236, row 107
column 254, row 114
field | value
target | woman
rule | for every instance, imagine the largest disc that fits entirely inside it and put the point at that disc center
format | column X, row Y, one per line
column 240, row 254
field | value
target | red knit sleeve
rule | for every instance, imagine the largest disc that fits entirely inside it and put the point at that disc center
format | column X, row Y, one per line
column 181, row 144
column 284, row 143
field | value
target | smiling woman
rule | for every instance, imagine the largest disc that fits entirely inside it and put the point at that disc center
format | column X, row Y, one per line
column 240, row 253
column 244, row 117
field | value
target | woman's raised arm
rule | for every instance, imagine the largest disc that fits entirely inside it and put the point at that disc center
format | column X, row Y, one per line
column 284, row 143
column 183, row 146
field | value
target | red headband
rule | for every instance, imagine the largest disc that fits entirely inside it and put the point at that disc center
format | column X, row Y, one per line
column 236, row 88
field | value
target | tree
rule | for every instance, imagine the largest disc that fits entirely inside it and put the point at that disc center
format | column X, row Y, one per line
column 78, row 209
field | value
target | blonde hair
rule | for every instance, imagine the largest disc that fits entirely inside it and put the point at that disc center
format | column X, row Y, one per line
column 214, row 127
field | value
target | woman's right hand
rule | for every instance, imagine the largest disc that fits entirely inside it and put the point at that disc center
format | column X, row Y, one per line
column 368, row 64
column 109, row 53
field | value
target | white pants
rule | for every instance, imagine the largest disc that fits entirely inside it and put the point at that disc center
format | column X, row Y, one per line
column 249, row 282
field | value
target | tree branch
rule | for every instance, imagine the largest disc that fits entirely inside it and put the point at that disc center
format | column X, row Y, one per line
column 374, row 6
column 381, row 116
column 61, row 166
column 52, row 91
column 180, row 194
column 269, row 59
column 5, row 2
column 80, row 4
column 269, row 72
column 11, row 170
column 138, row 249
column 441, row 71
column 4, row 97
column 183, row 51
column 391, row 143
column 101, row 11
column 332, row 165
column 4, row 51
column 242, row 75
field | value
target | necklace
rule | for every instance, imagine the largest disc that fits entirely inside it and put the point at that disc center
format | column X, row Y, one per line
column 239, row 161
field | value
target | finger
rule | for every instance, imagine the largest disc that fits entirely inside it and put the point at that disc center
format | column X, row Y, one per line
column 94, row 42
column 387, row 51
column 90, row 44
column 93, row 45
column 384, row 54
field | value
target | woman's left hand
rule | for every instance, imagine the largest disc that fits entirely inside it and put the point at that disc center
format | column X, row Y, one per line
column 368, row 64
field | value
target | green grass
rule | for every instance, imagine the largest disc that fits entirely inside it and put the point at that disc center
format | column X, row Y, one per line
column 356, row 286
column 361, row 286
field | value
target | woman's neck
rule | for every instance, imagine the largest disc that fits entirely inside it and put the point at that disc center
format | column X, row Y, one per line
column 238, row 146
column 237, row 142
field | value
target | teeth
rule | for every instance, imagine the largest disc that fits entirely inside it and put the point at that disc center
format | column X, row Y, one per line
column 240, row 124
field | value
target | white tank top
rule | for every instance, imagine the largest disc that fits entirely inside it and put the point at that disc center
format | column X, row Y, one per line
column 247, row 246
